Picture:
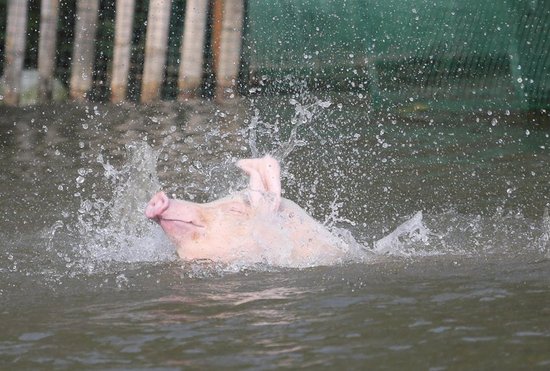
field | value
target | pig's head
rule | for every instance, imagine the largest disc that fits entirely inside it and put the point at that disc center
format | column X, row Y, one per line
column 222, row 230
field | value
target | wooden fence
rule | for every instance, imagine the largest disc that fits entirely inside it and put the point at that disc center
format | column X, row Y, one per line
column 453, row 55
column 227, row 32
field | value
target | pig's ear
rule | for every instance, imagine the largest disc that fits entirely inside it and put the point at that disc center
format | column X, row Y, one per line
column 265, row 181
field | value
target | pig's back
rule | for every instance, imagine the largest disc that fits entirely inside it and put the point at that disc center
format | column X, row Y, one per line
column 313, row 242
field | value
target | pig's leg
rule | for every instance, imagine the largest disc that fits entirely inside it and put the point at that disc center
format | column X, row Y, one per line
column 265, row 177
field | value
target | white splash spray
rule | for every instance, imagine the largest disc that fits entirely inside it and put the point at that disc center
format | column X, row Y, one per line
column 114, row 228
column 411, row 231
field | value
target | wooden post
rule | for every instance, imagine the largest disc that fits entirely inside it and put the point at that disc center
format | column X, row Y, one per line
column 123, row 42
column 192, row 49
column 46, row 49
column 217, row 20
column 84, row 48
column 227, row 34
column 16, row 32
column 156, row 45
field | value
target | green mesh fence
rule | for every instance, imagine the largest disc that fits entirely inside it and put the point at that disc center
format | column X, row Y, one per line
column 423, row 54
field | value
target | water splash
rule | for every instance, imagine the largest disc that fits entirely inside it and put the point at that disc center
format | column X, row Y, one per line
column 334, row 216
column 113, row 228
column 304, row 114
column 452, row 233
column 252, row 130
column 280, row 139
column 544, row 239
column 402, row 240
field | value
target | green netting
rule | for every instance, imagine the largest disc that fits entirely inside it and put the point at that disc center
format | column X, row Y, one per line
column 428, row 53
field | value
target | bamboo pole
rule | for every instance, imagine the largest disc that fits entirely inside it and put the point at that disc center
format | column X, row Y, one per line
column 192, row 49
column 122, row 49
column 16, row 32
column 156, row 46
column 84, row 49
column 46, row 49
column 227, row 33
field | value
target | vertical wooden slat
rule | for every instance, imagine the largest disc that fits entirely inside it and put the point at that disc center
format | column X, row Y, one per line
column 227, row 48
column 123, row 42
column 156, row 46
column 192, row 49
column 84, row 48
column 217, row 22
column 16, row 33
column 46, row 49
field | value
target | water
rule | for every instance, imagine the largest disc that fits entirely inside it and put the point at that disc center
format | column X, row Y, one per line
column 451, row 211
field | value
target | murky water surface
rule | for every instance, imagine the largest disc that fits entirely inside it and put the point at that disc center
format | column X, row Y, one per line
column 87, row 282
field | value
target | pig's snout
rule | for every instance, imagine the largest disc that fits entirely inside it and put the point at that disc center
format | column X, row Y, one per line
column 157, row 205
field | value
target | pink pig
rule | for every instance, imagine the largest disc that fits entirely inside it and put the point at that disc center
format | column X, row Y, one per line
column 253, row 226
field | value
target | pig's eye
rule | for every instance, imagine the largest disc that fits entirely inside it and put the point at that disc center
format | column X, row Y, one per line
column 236, row 211
column 236, row 208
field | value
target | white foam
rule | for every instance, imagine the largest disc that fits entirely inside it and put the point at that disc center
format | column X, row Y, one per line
column 114, row 228
column 398, row 241
column 544, row 239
